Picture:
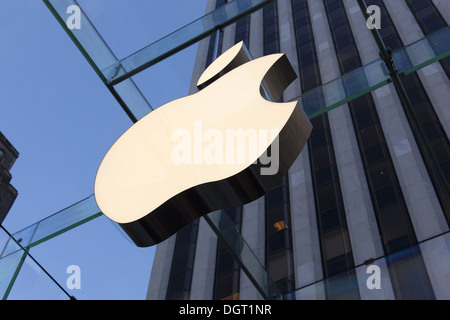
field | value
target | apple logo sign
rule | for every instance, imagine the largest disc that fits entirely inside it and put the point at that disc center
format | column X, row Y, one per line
column 224, row 146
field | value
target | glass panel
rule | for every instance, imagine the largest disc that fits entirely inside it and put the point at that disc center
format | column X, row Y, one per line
column 111, row 267
column 127, row 28
column 23, row 237
column 4, row 238
column 182, row 38
column 169, row 79
column 9, row 269
column 88, row 40
column 10, row 247
column 344, row 89
column 240, row 250
column 64, row 220
column 414, row 273
column 423, row 52
column 32, row 283
column 98, row 54
column 134, row 102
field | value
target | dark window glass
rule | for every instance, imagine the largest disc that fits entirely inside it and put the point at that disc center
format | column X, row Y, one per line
column 225, row 286
column 380, row 175
column 385, row 197
column 415, row 95
column 343, row 286
column 395, row 227
column 351, row 63
column 225, row 263
column 318, row 139
column 374, row 154
column 337, row 265
column 276, row 196
column 369, row 136
column 319, row 123
column 328, row 197
column 182, row 262
column 184, row 236
column 446, row 169
column 364, row 119
column 431, row 130
column 441, row 149
column 424, row 112
column 409, row 275
column 280, row 266
column 178, row 282
column 226, row 266
column 324, row 176
column 322, row 157
column 344, row 42
column 337, row 251
column 330, row 220
column 278, row 241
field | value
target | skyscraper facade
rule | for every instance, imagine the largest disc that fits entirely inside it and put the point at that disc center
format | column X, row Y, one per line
column 371, row 186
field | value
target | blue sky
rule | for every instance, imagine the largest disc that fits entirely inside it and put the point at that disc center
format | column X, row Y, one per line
column 62, row 120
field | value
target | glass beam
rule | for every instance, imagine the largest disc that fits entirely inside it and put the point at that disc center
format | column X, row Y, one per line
column 182, row 38
column 100, row 56
column 423, row 52
column 52, row 226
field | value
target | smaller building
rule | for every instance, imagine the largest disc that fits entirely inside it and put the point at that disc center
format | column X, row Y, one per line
column 8, row 194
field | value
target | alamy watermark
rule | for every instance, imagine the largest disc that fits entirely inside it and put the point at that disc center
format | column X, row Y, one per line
column 374, row 280
column 74, row 280
column 226, row 147
column 374, row 20
column 74, row 20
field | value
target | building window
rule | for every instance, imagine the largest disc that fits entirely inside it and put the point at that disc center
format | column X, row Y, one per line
column 180, row 279
column 227, row 275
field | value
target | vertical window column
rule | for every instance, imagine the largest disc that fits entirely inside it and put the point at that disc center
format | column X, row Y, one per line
column 212, row 40
column 182, row 263
column 383, row 185
column 335, row 243
column 279, row 260
column 226, row 282
column 243, row 31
